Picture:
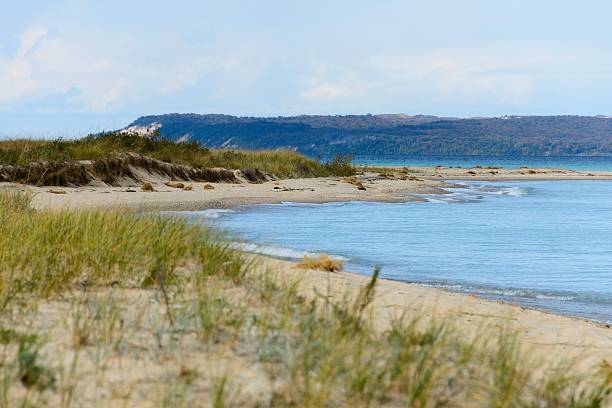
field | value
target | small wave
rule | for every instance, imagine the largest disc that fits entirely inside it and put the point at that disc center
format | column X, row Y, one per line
column 506, row 292
column 515, row 191
column 278, row 252
column 469, row 193
column 509, row 191
column 299, row 204
column 436, row 200
column 555, row 297
column 455, row 197
column 212, row 213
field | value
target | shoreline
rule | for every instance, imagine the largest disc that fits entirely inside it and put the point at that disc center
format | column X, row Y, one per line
column 491, row 173
column 605, row 324
column 391, row 185
column 548, row 332
column 226, row 195
column 544, row 334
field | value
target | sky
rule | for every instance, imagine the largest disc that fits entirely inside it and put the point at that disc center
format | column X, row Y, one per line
column 71, row 67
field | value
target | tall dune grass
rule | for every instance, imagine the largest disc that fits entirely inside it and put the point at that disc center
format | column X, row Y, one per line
column 49, row 251
column 340, row 359
column 284, row 163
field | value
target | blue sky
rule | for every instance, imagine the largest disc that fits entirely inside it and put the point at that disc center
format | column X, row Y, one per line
column 76, row 66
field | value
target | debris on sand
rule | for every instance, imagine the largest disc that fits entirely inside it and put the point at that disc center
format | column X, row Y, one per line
column 148, row 187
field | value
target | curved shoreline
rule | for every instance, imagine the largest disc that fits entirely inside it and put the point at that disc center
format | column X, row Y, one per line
column 546, row 334
column 390, row 185
column 225, row 195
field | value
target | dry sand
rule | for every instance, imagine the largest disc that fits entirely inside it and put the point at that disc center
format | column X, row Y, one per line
column 226, row 195
column 546, row 335
column 504, row 174
column 389, row 185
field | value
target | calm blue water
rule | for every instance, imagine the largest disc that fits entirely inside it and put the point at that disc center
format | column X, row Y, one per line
column 541, row 244
column 570, row 163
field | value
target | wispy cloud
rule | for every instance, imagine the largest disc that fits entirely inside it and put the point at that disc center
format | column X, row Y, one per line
column 322, row 90
column 100, row 79
column 503, row 74
column 46, row 64
column 243, row 58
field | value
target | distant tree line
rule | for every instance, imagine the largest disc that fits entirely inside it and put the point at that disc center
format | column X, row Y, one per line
column 395, row 134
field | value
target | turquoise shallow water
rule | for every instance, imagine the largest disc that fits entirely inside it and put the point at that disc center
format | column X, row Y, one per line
column 546, row 245
column 570, row 163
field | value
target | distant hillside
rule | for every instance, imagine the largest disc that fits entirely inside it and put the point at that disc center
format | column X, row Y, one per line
column 394, row 134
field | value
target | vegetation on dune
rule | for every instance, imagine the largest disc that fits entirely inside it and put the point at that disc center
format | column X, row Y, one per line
column 186, row 321
column 283, row 163
column 115, row 170
column 47, row 252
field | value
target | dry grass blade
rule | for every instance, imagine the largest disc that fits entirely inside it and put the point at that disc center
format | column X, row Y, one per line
column 322, row 262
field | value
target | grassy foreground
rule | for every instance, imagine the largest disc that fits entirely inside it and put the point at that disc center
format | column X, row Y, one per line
column 282, row 164
column 108, row 308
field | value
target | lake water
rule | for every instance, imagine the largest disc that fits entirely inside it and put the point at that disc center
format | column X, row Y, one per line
column 546, row 245
column 570, row 163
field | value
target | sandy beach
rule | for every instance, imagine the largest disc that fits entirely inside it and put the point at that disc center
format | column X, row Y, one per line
column 492, row 173
column 225, row 195
column 546, row 335
column 387, row 185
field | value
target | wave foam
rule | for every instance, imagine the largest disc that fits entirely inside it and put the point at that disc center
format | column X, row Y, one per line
column 506, row 292
column 300, row 204
column 213, row 213
column 278, row 252
column 473, row 192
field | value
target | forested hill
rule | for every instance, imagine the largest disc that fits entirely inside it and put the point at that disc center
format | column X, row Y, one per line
column 394, row 134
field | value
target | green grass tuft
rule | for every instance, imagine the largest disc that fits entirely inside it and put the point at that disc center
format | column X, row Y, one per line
column 282, row 163
column 49, row 251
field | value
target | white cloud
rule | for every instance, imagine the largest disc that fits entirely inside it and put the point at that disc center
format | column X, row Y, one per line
column 186, row 73
column 62, row 65
column 29, row 39
column 97, row 77
column 506, row 76
column 182, row 77
column 45, row 65
column 322, row 90
column 328, row 84
column 16, row 73
column 499, row 75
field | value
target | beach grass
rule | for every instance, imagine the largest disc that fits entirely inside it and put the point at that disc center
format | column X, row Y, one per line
column 49, row 251
column 280, row 163
column 113, row 308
